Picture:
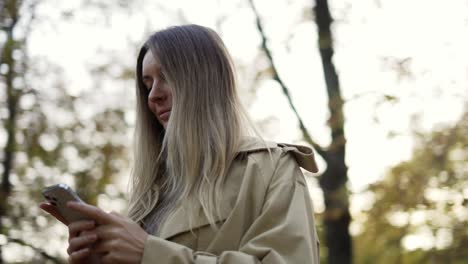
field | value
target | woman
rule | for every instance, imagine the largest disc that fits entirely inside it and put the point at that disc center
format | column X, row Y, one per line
column 203, row 192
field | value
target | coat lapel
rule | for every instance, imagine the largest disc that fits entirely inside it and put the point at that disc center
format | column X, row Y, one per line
column 179, row 221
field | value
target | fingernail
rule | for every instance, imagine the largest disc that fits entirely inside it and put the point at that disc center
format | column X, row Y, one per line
column 79, row 252
column 72, row 203
column 83, row 250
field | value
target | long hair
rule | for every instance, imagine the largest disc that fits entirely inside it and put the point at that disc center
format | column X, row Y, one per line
column 190, row 159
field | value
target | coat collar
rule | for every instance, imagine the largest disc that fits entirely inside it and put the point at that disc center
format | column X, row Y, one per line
column 178, row 221
column 304, row 155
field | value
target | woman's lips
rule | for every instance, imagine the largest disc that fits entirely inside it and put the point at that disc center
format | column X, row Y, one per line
column 164, row 116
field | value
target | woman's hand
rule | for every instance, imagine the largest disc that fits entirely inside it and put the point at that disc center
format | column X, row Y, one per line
column 81, row 237
column 52, row 210
column 119, row 239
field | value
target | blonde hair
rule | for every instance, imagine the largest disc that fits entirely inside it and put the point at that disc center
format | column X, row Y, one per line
column 190, row 159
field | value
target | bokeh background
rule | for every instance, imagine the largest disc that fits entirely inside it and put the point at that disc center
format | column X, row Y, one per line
column 378, row 87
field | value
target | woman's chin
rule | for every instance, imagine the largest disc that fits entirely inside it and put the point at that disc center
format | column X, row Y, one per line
column 163, row 123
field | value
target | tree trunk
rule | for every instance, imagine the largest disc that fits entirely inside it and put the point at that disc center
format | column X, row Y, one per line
column 333, row 181
column 9, row 20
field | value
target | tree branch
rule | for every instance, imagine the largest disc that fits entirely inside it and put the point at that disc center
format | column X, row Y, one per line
column 284, row 88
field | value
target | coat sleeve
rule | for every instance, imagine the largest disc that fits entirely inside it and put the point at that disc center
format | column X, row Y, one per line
column 284, row 232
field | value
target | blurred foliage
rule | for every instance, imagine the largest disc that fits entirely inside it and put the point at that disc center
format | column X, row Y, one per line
column 420, row 208
column 53, row 137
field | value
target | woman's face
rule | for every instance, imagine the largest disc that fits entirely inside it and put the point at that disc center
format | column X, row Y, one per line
column 160, row 94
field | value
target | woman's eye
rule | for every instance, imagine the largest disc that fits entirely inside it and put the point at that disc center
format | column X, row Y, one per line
column 148, row 86
column 148, row 82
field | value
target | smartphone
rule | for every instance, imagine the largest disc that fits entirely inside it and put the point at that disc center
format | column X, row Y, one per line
column 58, row 195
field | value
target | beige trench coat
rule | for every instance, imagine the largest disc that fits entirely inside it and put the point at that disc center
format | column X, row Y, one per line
column 267, row 215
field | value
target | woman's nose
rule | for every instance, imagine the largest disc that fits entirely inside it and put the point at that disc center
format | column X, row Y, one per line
column 156, row 94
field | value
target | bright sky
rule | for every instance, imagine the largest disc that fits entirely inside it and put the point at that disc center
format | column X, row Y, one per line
column 369, row 35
